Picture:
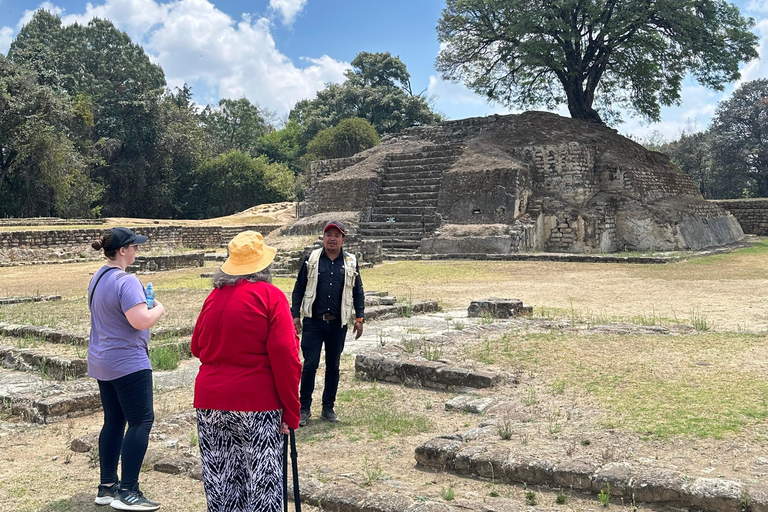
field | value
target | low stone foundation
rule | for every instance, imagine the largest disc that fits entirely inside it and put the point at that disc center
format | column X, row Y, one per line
column 37, row 298
column 52, row 367
column 428, row 374
column 498, row 308
column 167, row 262
column 644, row 484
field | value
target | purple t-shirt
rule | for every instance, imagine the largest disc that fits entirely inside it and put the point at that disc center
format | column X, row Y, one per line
column 116, row 348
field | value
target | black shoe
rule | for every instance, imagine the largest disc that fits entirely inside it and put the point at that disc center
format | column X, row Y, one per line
column 329, row 415
column 133, row 499
column 304, row 418
column 106, row 493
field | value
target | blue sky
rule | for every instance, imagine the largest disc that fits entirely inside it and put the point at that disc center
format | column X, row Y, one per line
column 276, row 52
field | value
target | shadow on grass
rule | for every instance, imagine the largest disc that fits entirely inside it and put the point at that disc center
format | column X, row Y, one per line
column 80, row 502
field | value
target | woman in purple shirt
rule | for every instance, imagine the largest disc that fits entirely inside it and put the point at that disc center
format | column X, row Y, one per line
column 118, row 358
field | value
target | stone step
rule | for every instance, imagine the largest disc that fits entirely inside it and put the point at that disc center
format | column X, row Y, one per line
column 386, row 235
column 403, row 181
column 413, row 170
column 384, row 198
column 405, row 203
column 397, row 225
column 399, row 243
column 444, row 161
column 404, row 210
column 402, row 256
column 408, row 188
column 404, row 217
column 443, row 152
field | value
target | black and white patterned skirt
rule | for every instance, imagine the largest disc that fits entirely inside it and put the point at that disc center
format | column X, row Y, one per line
column 242, row 459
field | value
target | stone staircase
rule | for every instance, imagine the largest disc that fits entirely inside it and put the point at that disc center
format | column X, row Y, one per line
column 405, row 209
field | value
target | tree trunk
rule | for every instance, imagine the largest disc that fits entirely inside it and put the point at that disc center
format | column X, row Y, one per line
column 582, row 110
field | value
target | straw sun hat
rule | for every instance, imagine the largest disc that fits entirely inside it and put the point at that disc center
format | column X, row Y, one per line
column 248, row 254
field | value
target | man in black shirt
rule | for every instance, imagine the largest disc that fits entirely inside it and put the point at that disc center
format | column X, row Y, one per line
column 327, row 290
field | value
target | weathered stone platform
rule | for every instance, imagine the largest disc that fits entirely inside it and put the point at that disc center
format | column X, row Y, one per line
column 458, row 454
column 167, row 262
column 421, row 373
column 498, row 308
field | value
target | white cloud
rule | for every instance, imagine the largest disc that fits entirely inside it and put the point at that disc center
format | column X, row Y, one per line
column 758, row 68
column 288, row 9
column 757, row 6
column 6, row 38
column 196, row 43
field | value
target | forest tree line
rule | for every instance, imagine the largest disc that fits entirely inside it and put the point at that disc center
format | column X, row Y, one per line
column 88, row 128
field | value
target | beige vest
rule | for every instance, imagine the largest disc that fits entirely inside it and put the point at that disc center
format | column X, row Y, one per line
column 350, row 272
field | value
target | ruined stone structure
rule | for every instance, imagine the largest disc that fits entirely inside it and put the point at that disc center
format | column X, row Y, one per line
column 518, row 183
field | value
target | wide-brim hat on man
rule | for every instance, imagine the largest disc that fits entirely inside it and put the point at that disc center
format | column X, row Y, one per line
column 122, row 237
column 248, row 254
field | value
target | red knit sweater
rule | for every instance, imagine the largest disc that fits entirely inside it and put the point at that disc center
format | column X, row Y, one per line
column 249, row 352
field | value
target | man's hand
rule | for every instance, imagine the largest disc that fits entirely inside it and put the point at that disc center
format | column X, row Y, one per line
column 358, row 329
column 297, row 325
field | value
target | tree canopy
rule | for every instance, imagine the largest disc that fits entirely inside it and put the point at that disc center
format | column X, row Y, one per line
column 377, row 89
column 739, row 134
column 347, row 138
column 594, row 55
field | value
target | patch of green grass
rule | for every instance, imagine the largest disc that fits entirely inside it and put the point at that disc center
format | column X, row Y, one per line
column 705, row 385
column 164, row 357
column 374, row 409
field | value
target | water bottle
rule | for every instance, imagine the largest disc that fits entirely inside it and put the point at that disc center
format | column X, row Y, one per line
column 150, row 293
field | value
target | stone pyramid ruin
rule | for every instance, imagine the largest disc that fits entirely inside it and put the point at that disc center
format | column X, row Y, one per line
column 516, row 183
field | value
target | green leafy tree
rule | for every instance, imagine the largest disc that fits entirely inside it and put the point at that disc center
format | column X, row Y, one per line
column 96, row 60
column 284, row 146
column 592, row 53
column 739, row 132
column 377, row 89
column 347, row 138
column 41, row 171
column 235, row 181
column 234, row 125
column 692, row 152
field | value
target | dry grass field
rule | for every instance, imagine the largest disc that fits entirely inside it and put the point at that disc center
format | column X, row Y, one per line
column 694, row 400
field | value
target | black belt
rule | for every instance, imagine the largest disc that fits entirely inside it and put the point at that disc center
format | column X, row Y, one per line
column 326, row 317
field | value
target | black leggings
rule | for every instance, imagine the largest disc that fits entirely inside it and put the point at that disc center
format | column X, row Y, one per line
column 127, row 399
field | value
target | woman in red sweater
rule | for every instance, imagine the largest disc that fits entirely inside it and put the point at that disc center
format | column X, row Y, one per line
column 247, row 390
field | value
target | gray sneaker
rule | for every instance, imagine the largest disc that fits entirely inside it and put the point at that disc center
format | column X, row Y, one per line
column 106, row 493
column 329, row 415
column 304, row 418
column 133, row 499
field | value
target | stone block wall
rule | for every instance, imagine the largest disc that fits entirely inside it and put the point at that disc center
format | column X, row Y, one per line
column 752, row 214
column 159, row 237
column 653, row 183
column 566, row 171
column 167, row 262
column 342, row 195
column 483, row 197
column 320, row 169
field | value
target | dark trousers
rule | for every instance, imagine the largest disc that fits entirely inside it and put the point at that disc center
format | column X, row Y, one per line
column 314, row 333
column 125, row 400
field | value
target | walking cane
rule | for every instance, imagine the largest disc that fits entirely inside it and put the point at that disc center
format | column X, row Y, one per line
column 295, row 468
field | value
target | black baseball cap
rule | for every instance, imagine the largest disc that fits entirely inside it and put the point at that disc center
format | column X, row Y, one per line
column 122, row 237
column 335, row 224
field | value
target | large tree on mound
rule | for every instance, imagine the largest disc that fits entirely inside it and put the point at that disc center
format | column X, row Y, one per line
column 592, row 54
